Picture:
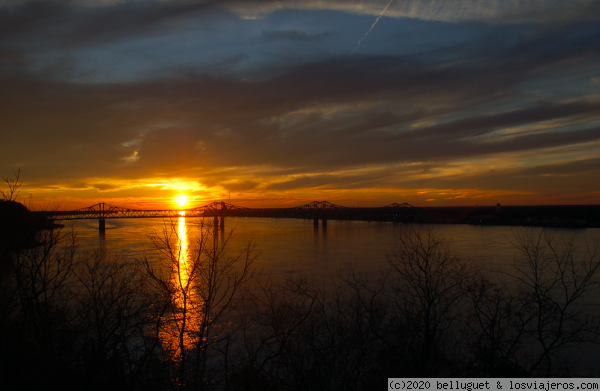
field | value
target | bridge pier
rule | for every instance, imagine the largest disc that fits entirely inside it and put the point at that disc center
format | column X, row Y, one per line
column 102, row 226
column 324, row 221
column 222, row 223
column 216, row 223
column 316, row 222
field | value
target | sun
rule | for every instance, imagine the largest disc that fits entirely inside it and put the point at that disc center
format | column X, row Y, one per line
column 182, row 200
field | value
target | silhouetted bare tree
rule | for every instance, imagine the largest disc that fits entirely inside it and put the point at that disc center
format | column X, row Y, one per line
column 275, row 341
column 496, row 330
column 13, row 187
column 117, row 320
column 35, row 306
column 203, row 285
column 523, row 324
column 553, row 281
column 429, row 283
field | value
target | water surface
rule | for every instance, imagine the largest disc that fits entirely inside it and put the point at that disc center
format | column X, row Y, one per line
column 295, row 245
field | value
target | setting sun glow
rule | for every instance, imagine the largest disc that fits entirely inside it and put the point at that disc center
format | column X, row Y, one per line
column 182, row 200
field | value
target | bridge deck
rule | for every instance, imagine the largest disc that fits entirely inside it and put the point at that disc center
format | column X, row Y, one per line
column 316, row 209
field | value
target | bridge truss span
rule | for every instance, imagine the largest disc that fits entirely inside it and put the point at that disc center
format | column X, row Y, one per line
column 107, row 211
column 315, row 209
column 219, row 205
column 320, row 205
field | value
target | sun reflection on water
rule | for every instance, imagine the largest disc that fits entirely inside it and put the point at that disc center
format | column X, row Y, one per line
column 184, row 254
column 186, row 317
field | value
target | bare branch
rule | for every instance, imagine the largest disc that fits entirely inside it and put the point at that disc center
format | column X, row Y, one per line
column 13, row 187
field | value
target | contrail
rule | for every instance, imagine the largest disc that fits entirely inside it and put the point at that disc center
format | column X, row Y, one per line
column 367, row 33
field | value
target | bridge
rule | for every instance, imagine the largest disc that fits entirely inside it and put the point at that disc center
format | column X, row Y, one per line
column 316, row 210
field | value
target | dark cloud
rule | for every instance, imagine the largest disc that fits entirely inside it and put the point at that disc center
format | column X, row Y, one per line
column 78, row 185
column 304, row 182
column 67, row 25
column 63, row 24
column 179, row 123
column 482, row 124
column 455, row 11
column 31, row 17
column 542, row 178
column 292, row 35
column 104, row 186
column 371, row 180
column 575, row 177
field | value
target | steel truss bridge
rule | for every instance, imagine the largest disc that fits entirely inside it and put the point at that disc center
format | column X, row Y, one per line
column 316, row 210
column 107, row 211
column 220, row 208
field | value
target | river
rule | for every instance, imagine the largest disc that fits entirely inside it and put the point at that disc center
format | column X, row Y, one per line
column 296, row 246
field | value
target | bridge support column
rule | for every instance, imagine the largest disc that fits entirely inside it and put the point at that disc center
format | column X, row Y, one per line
column 316, row 222
column 216, row 223
column 222, row 223
column 324, row 221
column 102, row 226
column 395, row 220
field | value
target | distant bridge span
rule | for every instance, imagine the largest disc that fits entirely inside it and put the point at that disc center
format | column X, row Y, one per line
column 315, row 210
column 219, row 208
column 108, row 211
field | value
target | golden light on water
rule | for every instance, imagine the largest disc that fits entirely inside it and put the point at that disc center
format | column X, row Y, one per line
column 185, row 297
column 184, row 253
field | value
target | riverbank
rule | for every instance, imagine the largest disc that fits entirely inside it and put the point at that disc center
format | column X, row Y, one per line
column 556, row 216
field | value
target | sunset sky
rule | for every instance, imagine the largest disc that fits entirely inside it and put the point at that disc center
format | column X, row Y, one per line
column 276, row 103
